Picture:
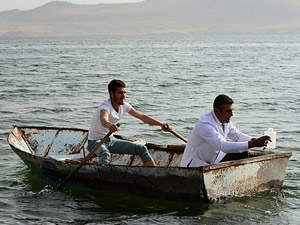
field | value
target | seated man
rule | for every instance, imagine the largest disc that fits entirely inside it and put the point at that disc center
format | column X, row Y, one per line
column 104, row 120
column 207, row 142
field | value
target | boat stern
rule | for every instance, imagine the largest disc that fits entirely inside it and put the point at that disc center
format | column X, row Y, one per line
column 245, row 177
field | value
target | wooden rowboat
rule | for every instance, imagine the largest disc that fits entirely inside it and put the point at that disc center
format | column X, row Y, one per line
column 53, row 153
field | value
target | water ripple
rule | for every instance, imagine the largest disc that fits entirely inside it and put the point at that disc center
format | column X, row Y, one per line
column 60, row 82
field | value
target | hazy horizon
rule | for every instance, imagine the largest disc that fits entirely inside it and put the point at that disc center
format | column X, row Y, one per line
column 62, row 18
column 30, row 4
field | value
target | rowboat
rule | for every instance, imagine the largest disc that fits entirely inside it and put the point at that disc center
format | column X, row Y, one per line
column 53, row 153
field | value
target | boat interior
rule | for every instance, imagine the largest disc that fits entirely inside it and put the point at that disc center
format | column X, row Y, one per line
column 69, row 145
column 66, row 144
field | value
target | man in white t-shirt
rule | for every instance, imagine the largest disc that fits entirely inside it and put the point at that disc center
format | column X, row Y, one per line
column 207, row 143
column 105, row 119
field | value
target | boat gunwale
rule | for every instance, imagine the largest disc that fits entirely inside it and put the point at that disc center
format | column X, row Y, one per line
column 259, row 158
column 167, row 148
column 50, row 128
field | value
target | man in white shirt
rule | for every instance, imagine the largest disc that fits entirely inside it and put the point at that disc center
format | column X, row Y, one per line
column 105, row 119
column 207, row 143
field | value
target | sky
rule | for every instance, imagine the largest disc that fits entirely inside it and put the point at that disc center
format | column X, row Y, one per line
column 29, row 4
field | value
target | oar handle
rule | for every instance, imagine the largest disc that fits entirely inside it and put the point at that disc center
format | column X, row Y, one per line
column 178, row 135
column 88, row 157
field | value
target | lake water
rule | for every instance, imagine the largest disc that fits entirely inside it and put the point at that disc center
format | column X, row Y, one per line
column 60, row 82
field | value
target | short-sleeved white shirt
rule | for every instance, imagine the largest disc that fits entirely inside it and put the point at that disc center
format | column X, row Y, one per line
column 96, row 130
column 207, row 142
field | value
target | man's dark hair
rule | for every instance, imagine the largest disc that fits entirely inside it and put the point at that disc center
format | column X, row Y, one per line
column 221, row 100
column 114, row 84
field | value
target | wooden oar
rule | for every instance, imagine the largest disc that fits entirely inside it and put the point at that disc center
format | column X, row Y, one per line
column 88, row 157
column 178, row 135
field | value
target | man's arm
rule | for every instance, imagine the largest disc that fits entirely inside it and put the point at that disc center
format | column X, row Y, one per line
column 238, row 136
column 235, row 135
column 149, row 120
column 105, row 122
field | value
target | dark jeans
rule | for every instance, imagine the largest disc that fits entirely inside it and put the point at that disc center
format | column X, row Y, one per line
column 235, row 156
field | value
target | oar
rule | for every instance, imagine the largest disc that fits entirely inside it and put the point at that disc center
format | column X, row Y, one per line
column 88, row 157
column 178, row 135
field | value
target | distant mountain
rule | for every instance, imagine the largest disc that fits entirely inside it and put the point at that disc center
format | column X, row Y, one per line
column 154, row 17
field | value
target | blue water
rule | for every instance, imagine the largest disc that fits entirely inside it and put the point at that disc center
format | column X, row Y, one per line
column 59, row 82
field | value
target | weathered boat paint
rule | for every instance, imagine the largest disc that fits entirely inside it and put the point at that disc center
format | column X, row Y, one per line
column 245, row 177
column 54, row 152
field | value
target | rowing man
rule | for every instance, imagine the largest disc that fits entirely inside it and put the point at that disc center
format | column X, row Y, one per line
column 105, row 119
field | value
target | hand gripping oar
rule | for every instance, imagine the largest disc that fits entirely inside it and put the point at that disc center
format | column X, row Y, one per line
column 88, row 157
